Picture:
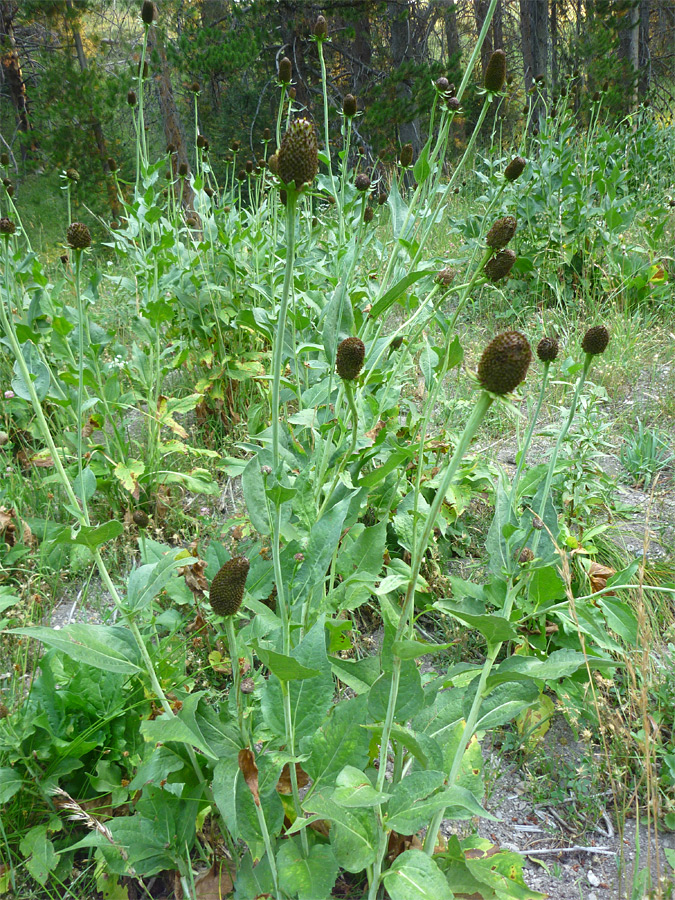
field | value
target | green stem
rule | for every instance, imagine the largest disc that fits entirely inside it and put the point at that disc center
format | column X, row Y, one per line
column 349, row 394
column 236, row 674
column 528, row 438
column 556, row 450
column 80, row 380
column 326, row 134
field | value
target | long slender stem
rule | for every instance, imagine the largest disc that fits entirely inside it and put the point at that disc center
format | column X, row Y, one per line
column 80, row 380
column 528, row 438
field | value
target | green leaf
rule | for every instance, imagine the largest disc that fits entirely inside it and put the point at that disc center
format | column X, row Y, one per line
column 111, row 648
column 559, row 664
column 128, row 473
column 494, row 628
column 426, row 749
column 422, row 169
column 411, row 649
column 339, row 741
column 409, row 698
column 306, row 878
column 323, row 540
column 164, row 729
column 358, row 674
column 620, row 619
column 42, row 858
column 146, row 582
column 503, row 703
column 38, row 371
column 285, row 667
column 428, row 361
column 353, row 835
column 415, row 876
column 253, row 486
column 354, row 789
column 199, row 481
column 10, row 783
column 85, row 488
column 91, row 536
column 392, row 295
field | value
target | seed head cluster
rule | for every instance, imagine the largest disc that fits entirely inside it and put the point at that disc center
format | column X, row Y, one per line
column 499, row 266
column 351, row 354
column 227, row 588
column 298, row 158
column 501, row 232
column 548, row 349
column 7, row 226
column 495, row 73
column 78, row 236
column 504, row 362
column 515, row 168
column 595, row 340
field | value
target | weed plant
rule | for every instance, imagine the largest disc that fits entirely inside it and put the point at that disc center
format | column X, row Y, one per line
column 312, row 762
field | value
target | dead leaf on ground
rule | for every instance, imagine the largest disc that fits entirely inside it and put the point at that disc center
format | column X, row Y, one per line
column 250, row 772
column 399, row 843
column 195, row 578
column 215, row 884
column 598, row 575
column 10, row 525
column 284, row 784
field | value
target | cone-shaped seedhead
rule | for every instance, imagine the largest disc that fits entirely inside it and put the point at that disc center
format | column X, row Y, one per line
column 267, row 134
column 362, row 182
column 183, row 170
column 131, row 98
column 504, row 362
column 368, row 214
column 595, row 340
column 141, row 518
column 515, row 168
column 148, row 12
column 500, row 264
column 446, row 276
column 501, row 232
column 285, row 70
column 351, row 354
column 320, row 29
column 78, row 236
column 349, row 106
column 495, row 73
column 72, row 175
column 7, row 226
column 548, row 349
column 298, row 158
column 227, row 588
column 406, row 156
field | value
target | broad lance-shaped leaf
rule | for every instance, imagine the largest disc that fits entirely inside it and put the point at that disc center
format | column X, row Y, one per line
column 146, row 582
column 286, row 668
column 112, row 648
column 353, row 835
column 415, row 876
column 339, row 741
column 354, row 789
column 493, row 627
column 306, row 878
column 323, row 540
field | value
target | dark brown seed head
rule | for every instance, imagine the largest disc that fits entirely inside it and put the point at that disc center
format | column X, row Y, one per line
column 501, row 232
column 227, row 587
column 209, row 192
column 78, row 236
column 537, row 523
column 112, row 164
column 241, row 175
column 349, row 106
column 10, row 190
column 525, row 556
column 406, row 155
column 446, row 276
column 362, row 182
column 195, row 87
column 500, row 264
column 191, row 222
column 145, row 71
column 515, row 168
column 443, row 84
column 7, row 226
column 495, row 73
column 64, row 259
column 548, row 349
column 381, row 198
column 148, row 12
column 183, row 170
column 267, row 135
column 4, row 159
column 201, row 141
column 596, row 97
column 298, row 159
column 273, row 164
column 504, row 362
column 249, row 166
column 321, row 29
column 235, row 146
column 368, row 214
column 170, row 148
column 595, row 340
column 396, row 342
column 131, row 98
column 7, row 182
column 292, row 93
column 285, row 70
column 141, row 518
column 351, row 354
column 72, row 175
column 453, row 104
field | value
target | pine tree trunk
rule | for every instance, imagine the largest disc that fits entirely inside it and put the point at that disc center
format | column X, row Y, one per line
column 644, row 56
column 11, row 67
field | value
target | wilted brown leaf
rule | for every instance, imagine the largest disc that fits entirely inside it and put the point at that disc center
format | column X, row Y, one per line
column 399, row 843
column 250, row 772
column 215, row 884
column 284, row 783
column 195, row 579
column 373, row 433
column 598, row 575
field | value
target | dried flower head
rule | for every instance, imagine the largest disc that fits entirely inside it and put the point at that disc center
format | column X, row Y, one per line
column 515, row 168
column 320, row 29
column 7, row 226
column 548, row 349
column 140, row 518
column 406, row 155
column 504, row 362
column 351, row 354
column 349, row 106
column 78, row 236
column 446, row 276
column 495, row 73
column 362, row 182
column 595, row 340
column 499, row 265
column 148, row 12
column 501, row 232
column 285, row 70
column 227, row 587
column 298, row 158
column 368, row 214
